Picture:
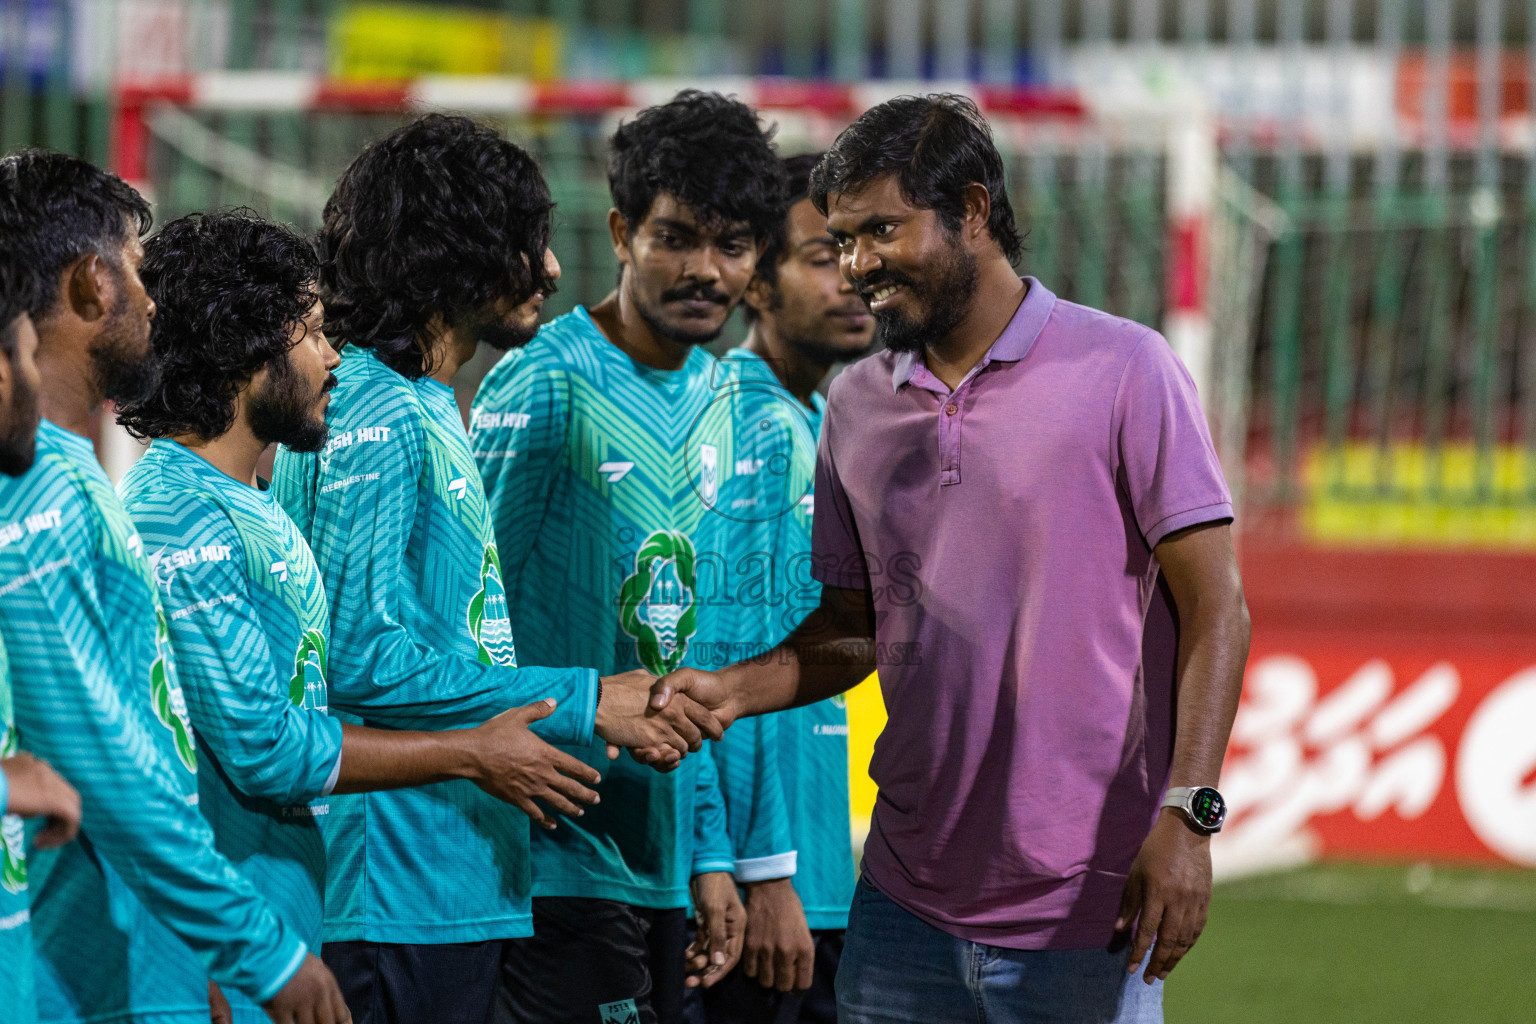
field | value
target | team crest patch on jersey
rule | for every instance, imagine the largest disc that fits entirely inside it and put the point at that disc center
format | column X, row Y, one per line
column 13, row 834
column 656, row 601
column 309, row 667
column 166, row 696
column 709, row 474
column 840, row 700
column 489, row 622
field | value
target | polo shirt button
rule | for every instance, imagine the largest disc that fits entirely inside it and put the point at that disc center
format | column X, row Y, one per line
column 951, row 409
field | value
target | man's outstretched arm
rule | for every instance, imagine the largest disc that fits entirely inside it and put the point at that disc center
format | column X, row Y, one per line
column 1169, row 888
column 833, row 650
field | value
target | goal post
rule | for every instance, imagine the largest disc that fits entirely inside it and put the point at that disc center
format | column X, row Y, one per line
column 1123, row 209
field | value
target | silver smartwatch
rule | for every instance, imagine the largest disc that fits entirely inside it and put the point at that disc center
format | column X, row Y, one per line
column 1203, row 807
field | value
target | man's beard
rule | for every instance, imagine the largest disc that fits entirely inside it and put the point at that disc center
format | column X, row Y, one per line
column 18, row 428
column 805, row 340
column 948, row 293
column 502, row 336
column 285, row 409
column 126, row 371
column 673, row 333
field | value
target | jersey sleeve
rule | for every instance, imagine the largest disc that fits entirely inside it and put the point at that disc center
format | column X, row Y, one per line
column 757, row 817
column 70, row 712
column 235, row 687
column 772, row 434
column 382, row 673
column 711, row 838
column 518, row 430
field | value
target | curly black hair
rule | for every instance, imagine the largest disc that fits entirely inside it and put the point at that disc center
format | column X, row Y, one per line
column 17, row 285
column 707, row 150
column 935, row 145
column 442, row 217
column 230, row 289
column 55, row 209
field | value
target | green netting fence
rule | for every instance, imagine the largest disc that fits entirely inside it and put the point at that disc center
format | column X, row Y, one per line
column 1378, row 310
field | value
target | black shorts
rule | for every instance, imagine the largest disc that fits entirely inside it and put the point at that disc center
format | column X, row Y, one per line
column 595, row 962
column 396, row 983
column 740, row 1000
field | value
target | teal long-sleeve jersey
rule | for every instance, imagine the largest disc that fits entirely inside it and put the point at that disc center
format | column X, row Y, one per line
column 604, row 478
column 249, row 628
column 15, row 905
column 813, row 740
column 395, row 514
column 130, row 920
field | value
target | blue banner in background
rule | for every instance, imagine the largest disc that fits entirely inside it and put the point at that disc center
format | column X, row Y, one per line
column 32, row 41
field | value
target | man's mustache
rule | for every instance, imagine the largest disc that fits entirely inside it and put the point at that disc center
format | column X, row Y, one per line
column 698, row 293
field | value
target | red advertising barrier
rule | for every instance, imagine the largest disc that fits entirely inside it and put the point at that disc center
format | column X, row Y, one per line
column 1380, row 735
column 1343, row 751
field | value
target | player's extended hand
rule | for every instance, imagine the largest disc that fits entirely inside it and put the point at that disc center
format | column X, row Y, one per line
column 218, row 1006
column 1169, row 890
column 514, row 765
column 310, row 997
column 657, row 736
column 37, row 791
column 779, row 952
column 721, row 921
column 705, row 688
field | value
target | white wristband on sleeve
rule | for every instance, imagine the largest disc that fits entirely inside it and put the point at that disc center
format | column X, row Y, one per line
column 765, row 869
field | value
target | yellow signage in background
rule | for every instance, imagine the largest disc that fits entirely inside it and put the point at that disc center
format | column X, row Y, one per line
column 866, row 718
column 1410, row 495
column 382, row 42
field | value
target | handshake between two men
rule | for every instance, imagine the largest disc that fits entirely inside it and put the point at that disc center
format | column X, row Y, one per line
column 661, row 720
column 511, row 763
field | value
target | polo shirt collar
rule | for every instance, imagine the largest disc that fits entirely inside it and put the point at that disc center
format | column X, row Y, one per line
column 1012, row 345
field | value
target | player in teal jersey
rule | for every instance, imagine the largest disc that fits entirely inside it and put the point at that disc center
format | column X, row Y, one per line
column 131, row 921
column 805, row 318
column 607, row 445
column 436, row 239
column 28, row 786
column 244, row 363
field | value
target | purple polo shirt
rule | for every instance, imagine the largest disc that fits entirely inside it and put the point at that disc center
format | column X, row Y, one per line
column 1006, row 531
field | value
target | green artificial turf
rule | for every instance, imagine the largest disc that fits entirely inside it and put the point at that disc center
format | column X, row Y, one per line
column 1358, row 944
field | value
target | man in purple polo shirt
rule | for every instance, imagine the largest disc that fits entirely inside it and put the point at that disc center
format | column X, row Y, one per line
column 1015, row 502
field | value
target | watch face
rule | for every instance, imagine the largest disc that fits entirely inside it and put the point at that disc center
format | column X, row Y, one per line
column 1207, row 807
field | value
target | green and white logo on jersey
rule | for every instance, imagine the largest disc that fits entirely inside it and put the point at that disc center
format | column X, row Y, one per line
column 489, row 622
column 309, row 665
column 13, row 835
column 656, row 604
column 165, row 693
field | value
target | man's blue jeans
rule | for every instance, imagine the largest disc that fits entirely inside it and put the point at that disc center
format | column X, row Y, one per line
column 898, row 969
